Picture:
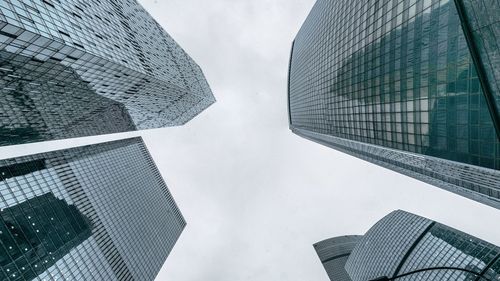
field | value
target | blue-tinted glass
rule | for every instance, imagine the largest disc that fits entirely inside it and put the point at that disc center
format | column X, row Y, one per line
column 393, row 82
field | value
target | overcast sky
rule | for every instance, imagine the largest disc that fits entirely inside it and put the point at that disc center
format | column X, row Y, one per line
column 255, row 196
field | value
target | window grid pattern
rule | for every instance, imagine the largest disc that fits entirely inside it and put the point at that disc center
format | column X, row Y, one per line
column 426, row 245
column 446, row 247
column 334, row 253
column 131, row 219
column 383, row 247
column 394, row 73
column 31, row 238
column 483, row 16
column 493, row 271
column 335, row 269
column 115, row 47
column 42, row 105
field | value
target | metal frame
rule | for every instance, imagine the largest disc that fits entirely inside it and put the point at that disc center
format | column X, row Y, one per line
column 478, row 63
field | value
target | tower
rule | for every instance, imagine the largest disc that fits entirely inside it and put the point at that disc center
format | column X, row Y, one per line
column 334, row 253
column 98, row 212
column 403, row 244
column 79, row 68
column 407, row 85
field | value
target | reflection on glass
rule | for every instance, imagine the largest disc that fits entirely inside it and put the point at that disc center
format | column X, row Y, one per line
column 36, row 233
column 43, row 100
column 21, row 169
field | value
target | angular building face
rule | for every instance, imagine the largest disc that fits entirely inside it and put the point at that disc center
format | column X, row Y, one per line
column 407, row 84
column 334, row 253
column 99, row 212
column 403, row 243
column 78, row 68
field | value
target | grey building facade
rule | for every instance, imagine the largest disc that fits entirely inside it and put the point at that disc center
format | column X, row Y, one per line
column 98, row 212
column 406, row 244
column 77, row 68
column 410, row 85
column 333, row 254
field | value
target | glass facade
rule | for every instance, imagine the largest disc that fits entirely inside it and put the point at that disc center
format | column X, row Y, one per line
column 35, row 109
column 394, row 80
column 32, row 241
column 99, row 212
column 333, row 254
column 403, row 243
column 77, row 68
column 481, row 18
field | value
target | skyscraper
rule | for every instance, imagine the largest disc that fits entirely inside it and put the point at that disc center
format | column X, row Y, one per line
column 334, row 253
column 78, row 68
column 409, row 85
column 98, row 212
column 406, row 244
column 31, row 239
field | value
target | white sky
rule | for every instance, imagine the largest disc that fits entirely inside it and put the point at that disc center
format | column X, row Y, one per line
column 255, row 196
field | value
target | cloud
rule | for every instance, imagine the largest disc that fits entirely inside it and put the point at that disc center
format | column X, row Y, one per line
column 255, row 196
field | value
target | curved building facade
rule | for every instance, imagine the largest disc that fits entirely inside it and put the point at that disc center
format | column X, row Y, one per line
column 406, row 84
column 334, row 253
column 77, row 68
column 403, row 243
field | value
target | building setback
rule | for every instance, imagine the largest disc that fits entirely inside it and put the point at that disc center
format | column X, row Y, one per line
column 410, row 85
column 98, row 212
column 406, row 244
column 334, row 253
column 77, row 68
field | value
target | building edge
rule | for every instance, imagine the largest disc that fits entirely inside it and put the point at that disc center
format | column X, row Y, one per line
column 454, row 176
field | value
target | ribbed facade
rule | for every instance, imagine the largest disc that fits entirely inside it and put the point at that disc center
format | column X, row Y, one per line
column 333, row 254
column 99, row 212
column 405, row 84
column 76, row 68
column 404, row 243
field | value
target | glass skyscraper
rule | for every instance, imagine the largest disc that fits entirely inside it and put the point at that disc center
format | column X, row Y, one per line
column 334, row 253
column 406, row 244
column 98, row 212
column 76, row 68
column 410, row 85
